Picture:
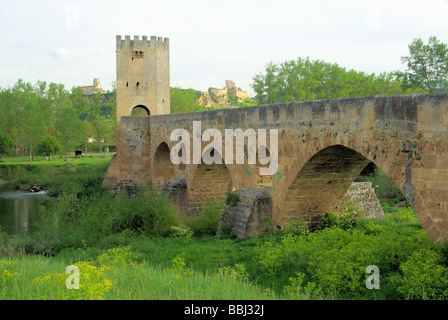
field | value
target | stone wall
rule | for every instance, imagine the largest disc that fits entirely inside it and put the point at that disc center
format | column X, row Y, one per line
column 176, row 190
column 365, row 198
column 246, row 216
column 142, row 78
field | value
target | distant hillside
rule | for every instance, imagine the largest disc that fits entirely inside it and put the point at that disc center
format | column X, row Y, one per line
column 188, row 100
column 229, row 96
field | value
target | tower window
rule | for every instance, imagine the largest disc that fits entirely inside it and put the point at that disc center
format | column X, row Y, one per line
column 137, row 54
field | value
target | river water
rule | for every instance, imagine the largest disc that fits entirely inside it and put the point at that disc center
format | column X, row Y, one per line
column 19, row 211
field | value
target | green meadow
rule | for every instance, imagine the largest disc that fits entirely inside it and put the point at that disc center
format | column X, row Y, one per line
column 125, row 248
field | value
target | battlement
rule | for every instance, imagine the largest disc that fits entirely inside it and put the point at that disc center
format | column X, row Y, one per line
column 144, row 42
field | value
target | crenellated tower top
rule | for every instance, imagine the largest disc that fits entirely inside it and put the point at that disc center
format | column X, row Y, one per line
column 143, row 75
column 144, row 42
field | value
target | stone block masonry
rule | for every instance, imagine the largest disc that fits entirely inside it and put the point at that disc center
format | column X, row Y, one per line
column 322, row 145
column 247, row 216
column 365, row 198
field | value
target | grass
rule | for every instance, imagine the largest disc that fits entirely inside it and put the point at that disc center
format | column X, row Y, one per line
column 56, row 161
column 122, row 255
column 282, row 266
column 18, row 174
column 129, row 282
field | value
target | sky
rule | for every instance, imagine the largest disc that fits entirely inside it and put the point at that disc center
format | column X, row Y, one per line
column 72, row 42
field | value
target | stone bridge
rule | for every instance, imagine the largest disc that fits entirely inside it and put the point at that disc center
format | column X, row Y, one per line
column 322, row 147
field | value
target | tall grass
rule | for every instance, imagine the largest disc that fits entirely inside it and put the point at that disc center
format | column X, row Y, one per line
column 36, row 277
column 327, row 264
column 89, row 226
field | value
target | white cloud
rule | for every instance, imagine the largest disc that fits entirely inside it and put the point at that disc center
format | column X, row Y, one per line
column 211, row 41
column 61, row 54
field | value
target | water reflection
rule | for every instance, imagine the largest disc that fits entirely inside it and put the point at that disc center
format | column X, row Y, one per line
column 18, row 211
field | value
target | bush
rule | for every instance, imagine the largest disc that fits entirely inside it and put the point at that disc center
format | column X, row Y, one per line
column 424, row 277
column 101, row 218
column 48, row 146
column 232, row 199
column 346, row 219
column 93, row 284
column 207, row 223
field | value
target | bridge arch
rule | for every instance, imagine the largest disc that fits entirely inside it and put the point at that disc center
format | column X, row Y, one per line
column 320, row 184
column 140, row 110
column 322, row 174
column 162, row 167
column 209, row 182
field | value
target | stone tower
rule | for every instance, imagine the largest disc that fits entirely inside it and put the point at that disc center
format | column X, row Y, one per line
column 143, row 75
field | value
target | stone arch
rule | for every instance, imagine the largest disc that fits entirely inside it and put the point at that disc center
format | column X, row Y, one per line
column 320, row 185
column 162, row 168
column 140, row 110
column 209, row 182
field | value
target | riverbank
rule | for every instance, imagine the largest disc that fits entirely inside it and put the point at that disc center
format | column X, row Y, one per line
column 17, row 174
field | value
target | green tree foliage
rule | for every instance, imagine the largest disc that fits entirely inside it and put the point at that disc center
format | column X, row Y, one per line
column 35, row 113
column 183, row 100
column 6, row 144
column 70, row 129
column 304, row 79
column 96, row 118
column 31, row 112
column 427, row 66
column 48, row 146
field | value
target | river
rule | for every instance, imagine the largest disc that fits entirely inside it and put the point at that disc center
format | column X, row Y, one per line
column 19, row 211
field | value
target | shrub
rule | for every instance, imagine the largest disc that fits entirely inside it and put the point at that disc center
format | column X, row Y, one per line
column 297, row 290
column 238, row 272
column 232, row 199
column 424, row 277
column 270, row 257
column 119, row 257
column 347, row 218
column 93, row 284
column 100, row 218
column 48, row 146
column 297, row 227
column 154, row 213
column 207, row 223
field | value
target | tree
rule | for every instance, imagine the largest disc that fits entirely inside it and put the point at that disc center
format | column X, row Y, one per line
column 48, row 146
column 427, row 66
column 98, row 121
column 183, row 100
column 304, row 79
column 70, row 128
column 35, row 112
column 6, row 144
